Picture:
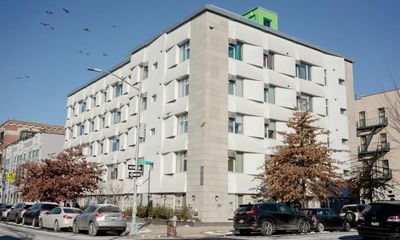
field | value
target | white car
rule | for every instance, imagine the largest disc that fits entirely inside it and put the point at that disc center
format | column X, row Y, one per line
column 59, row 218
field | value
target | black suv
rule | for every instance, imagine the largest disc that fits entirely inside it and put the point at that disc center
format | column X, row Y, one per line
column 326, row 219
column 267, row 218
column 32, row 215
column 380, row 220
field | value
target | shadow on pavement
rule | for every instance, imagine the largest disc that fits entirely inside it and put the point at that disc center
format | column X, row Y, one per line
column 8, row 238
column 352, row 237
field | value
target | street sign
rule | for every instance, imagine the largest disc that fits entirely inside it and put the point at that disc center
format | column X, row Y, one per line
column 135, row 168
column 134, row 174
column 10, row 176
column 145, row 162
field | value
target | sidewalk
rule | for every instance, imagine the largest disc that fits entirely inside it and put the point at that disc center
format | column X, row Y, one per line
column 186, row 231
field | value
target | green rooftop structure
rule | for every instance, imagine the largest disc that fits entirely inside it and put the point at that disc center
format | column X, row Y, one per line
column 263, row 17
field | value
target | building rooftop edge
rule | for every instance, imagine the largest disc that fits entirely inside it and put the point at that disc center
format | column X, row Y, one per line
column 219, row 11
column 31, row 123
column 267, row 10
column 377, row 93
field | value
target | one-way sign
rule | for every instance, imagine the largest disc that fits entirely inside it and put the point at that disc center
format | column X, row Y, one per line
column 134, row 174
column 135, row 167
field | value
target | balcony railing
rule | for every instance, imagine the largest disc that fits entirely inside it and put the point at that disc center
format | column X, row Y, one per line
column 382, row 147
column 375, row 122
column 381, row 174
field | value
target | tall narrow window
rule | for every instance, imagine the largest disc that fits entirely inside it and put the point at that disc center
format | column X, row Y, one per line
column 102, row 121
column 104, row 96
column 270, row 129
column 267, row 22
column 145, row 72
column 382, row 115
column 235, row 163
column 183, row 85
column 114, row 144
column 91, row 126
column 82, row 106
column 142, row 133
column 118, row 90
column 235, row 50
column 235, row 87
column 269, row 94
column 144, row 103
column 361, row 117
column 183, row 123
column 326, row 107
column 364, row 146
column 235, row 124
column 181, row 161
column 81, row 129
column 383, row 141
column 304, row 103
column 385, row 168
column 116, row 117
column 303, row 71
column 184, row 50
column 113, row 171
column 94, row 101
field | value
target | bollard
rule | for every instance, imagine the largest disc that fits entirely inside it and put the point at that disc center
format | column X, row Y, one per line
column 171, row 227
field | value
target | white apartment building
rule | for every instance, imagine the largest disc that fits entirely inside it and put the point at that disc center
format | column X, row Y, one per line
column 216, row 89
column 33, row 148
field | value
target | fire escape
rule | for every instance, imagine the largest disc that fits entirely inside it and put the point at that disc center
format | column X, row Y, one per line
column 371, row 154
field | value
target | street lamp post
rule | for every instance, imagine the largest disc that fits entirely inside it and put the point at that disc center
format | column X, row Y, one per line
column 134, row 225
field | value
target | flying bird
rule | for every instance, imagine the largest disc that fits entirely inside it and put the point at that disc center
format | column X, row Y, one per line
column 27, row 76
column 87, row 54
column 87, row 29
column 114, row 26
column 80, row 51
column 18, row 78
column 52, row 28
column 66, row 10
column 105, row 54
column 44, row 24
column 49, row 12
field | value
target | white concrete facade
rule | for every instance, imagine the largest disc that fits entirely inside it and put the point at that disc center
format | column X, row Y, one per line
column 34, row 149
column 209, row 139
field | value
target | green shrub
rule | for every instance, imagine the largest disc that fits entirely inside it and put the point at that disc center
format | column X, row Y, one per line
column 162, row 212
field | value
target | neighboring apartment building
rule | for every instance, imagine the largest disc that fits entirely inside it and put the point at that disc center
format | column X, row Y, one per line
column 216, row 89
column 34, row 148
column 379, row 136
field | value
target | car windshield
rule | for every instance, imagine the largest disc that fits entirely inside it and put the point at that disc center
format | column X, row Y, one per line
column 48, row 206
column 72, row 210
column 109, row 209
column 27, row 206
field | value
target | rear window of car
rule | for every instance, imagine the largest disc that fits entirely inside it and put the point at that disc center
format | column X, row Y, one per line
column 71, row 210
column 244, row 208
column 384, row 209
column 109, row 209
column 49, row 206
column 27, row 206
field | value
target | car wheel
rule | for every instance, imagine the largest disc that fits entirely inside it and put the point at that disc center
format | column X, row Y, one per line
column 56, row 226
column 346, row 226
column 75, row 227
column 17, row 220
column 320, row 227
column 267, row 228
column 40, row 224
column 303, row 226
column 350, row 217
column 92, row 229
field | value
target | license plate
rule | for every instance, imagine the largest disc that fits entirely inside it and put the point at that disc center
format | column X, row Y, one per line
column 241, row 221
column 374, row 223
column 113, row 218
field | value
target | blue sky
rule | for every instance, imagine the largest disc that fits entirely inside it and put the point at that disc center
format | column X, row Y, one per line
column 39, row 66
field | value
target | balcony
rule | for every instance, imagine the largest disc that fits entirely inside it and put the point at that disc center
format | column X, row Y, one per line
column 384, row 174
column 382, row 148
column 368, row 124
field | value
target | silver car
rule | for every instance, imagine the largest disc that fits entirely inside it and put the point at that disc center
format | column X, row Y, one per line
column 18, row 210
column 101, row 217
column 58, row 218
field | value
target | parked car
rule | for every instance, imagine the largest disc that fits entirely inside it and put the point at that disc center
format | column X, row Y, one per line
column 18, row 211
column 267, row 218
column 351, row 212
column 322, row 219
column 380, row 220
column 59, row 218
column 101, row 217
column 4, row 211
column 32, row 215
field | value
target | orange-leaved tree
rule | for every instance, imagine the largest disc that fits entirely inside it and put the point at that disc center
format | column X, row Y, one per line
column 302, row 168
column 61, row 177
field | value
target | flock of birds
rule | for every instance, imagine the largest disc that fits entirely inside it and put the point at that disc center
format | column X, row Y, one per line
column 51, row 27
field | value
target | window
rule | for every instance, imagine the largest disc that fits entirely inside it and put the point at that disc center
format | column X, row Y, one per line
column 82, row 106
column 152, row 132
column 303, row 71
column 341, row 81
column 144, row 103
column 383, row 140
column 89, row 151
column 142, row 133
column 345, row 141
column 154, row 98
column 81, row 129
column 361, row 117
column 304, row 103
column 118, row 90
column 235, row 124
column 91, row 126
column 114, row 144
column 184, row 50
column 325, row 78
column 104, row 96
column 235, row 51
column 270, row 129
column 183, row 123
column 267, row 22
column 269, row 94
column 268, row 61
column 116, row 117
column 235, row 87
column 94, row 101
column 364, row 146
column 155, row 65
column 235, row 162
column 181, row 161
column 382, row 115
column 113, row 171
column 183, row 87
column 100, row 148
column 102, row 121
column 385, row 168
column 343, row 111
column 145, row 72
